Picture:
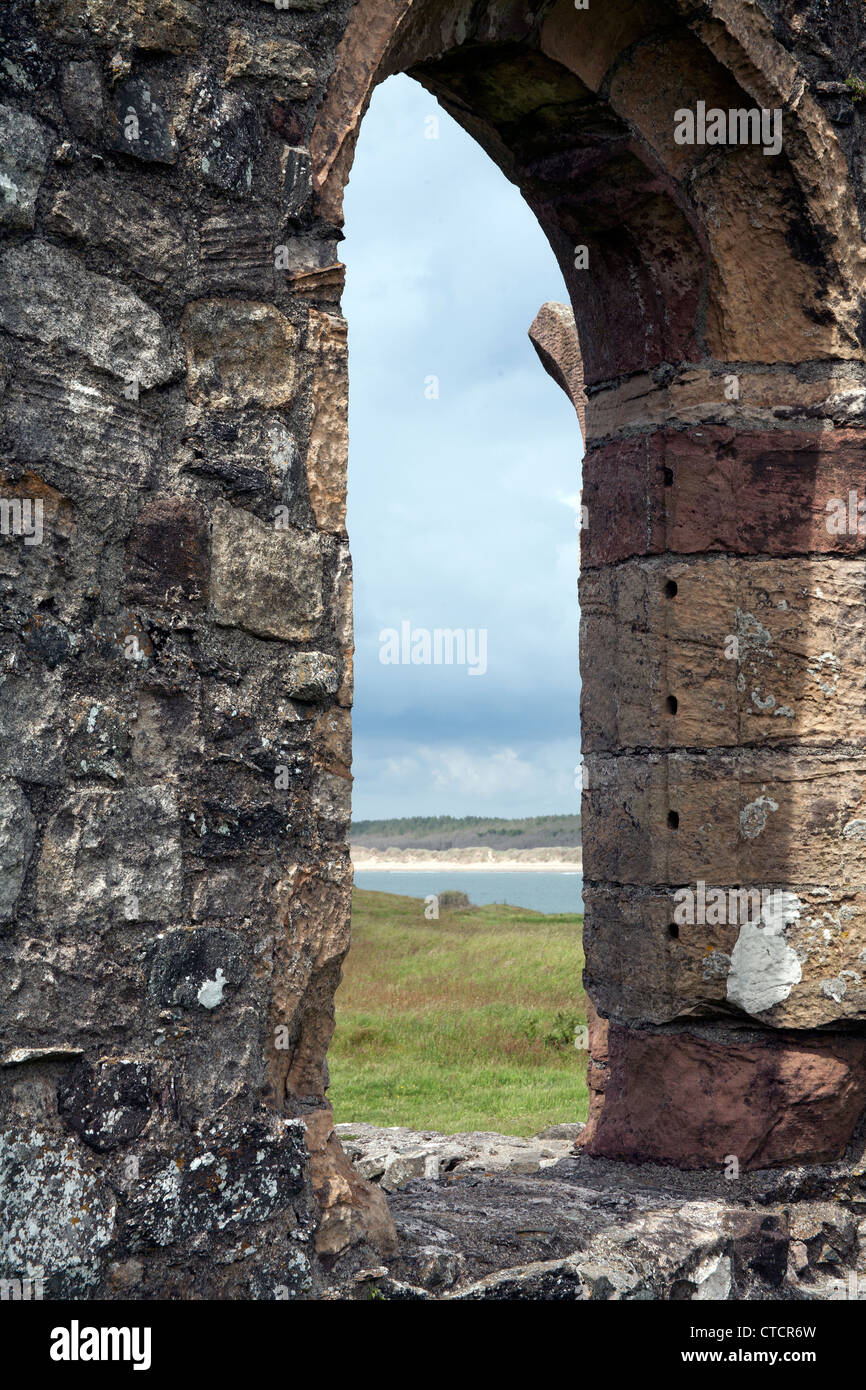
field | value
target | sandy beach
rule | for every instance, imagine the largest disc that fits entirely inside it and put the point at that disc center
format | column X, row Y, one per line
column 501, row 861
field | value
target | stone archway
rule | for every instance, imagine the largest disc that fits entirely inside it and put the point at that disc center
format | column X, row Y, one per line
column 175, row 704
column 717, row 296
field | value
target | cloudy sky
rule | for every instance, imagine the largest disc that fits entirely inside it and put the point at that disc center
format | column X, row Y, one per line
column 461, row 508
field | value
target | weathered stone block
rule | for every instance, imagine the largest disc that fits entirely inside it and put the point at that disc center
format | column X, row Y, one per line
column 333, row 735
column 791, row 818
column 749, row 401
column 47, row 640
column 312, row 676
column 306, row 969
column 82, row 99
column 166, row 735
column 80, row 425
column 240, row 815
column 98, row 738
column 193, row 968
column 56, row 511
column 311, row 267
column 590, row 49
column 281, row 64
column 553, row 334
column 32, row 727
column 170, row 26
column 140, row 124
column 761, row 298
column 112, row 214
column 227, row 1177
column 49, row 296
column 240, row 890
column 236, row 255
column 250, row 453
column 749, row 650
column 35, row 562
column 66, row 990
column 352, row 1210
column 788, row 958
column 17, row 835
column 234, row 145
column 266, row 580
column 328, row 454
column 58, row 1212
column 168, row 555
column 714, row 487
column 239, row 353
column 332, row 799
column 108, row 1105
column 297, row 168
column 24, row 146
column 112, row 856
column 27, row 65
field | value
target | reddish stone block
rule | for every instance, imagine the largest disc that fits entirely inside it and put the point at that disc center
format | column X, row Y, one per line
column 168, row 560
column 645, row 265
column 713, row 488
column 694, row 1102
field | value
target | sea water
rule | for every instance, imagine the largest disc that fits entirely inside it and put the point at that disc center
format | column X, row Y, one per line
column 540, row 891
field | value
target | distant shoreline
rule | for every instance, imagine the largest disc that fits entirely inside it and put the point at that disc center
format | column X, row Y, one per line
column 558, row 860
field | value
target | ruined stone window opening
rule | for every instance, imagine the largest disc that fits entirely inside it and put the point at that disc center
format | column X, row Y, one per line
column 511, row 498
column 177, row 649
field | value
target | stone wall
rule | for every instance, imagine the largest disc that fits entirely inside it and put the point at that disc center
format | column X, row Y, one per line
column 177, row 644
column 177, row 652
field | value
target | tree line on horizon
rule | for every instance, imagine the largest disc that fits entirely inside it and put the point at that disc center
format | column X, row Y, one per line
column 468, row 832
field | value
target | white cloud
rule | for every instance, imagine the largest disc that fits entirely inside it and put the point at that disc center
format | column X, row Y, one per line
column 459, row 779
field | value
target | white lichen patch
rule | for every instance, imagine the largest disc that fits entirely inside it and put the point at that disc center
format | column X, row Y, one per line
column 826, row 671
column 753, row 636
column 57, row 1215
column 760, row 703
column 834, row 989
column 713, row 1279
column 753, row 818
column 764, row 968
column 716, row 965
column 211, row 992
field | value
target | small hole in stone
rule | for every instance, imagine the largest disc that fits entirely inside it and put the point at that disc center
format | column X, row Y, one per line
column 674, row 931
column 674, row 820
column 669, row 477
column 671, row 588
column 672, row 704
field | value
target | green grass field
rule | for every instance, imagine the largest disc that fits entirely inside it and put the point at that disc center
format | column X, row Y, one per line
column 459, row 1024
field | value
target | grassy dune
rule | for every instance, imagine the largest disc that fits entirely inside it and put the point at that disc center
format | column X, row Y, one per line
column 465, row 1023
